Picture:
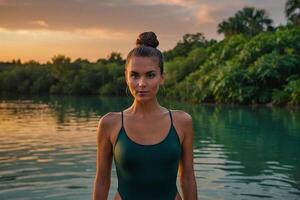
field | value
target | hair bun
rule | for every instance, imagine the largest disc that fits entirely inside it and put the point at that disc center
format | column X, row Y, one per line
column 147, row 39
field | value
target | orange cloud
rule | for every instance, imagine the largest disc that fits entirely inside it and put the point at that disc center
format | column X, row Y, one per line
column 204, row 15
column 104, row 33
column 42, row 44
column 39, row 23
column 183, row 3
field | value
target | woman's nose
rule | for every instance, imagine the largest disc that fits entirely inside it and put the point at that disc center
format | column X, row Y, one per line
column 142, row 82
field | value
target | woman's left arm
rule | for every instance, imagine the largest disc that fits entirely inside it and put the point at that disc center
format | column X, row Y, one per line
column 186, row 168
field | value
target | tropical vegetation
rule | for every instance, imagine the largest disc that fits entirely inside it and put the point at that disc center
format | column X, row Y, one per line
column 255, row 63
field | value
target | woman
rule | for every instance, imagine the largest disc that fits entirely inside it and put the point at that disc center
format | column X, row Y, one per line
column 149, row 143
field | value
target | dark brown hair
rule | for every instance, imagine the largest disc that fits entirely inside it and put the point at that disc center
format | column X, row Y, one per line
column 146, row 45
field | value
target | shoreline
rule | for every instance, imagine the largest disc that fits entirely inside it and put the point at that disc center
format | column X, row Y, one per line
column 269, row 105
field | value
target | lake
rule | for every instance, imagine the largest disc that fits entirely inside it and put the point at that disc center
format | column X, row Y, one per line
column 48, row 148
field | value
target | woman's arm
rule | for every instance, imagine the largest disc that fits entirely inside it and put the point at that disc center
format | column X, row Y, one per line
column 186, row 169
column 104, row 160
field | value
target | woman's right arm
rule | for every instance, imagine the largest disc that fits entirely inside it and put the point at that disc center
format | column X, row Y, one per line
column 103, row 160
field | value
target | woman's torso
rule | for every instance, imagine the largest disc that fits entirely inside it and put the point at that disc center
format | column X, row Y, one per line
column 152, row 155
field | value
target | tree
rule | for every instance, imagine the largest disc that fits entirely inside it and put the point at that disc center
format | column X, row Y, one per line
column 187, row 44
column 60, row 65
column 32, row 62
column 81, row 61
column 249, row 21
column 60, row 59
column 116, row 58
column 292, row 11
column 232, row 26
column 193, row 38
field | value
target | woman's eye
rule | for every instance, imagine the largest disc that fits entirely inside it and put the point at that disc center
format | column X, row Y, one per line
column 134, row 75
column 151, row 75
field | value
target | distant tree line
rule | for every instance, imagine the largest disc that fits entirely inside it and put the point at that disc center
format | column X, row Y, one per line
column 255, row 63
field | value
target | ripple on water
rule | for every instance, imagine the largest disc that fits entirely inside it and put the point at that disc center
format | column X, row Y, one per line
column 49, row 153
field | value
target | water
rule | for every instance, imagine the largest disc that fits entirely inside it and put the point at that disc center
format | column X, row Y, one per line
column 48, row 148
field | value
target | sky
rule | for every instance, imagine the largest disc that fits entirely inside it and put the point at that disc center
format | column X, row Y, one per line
column 92, row 29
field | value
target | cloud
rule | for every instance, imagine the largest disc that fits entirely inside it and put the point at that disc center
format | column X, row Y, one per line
column 77, row 15
column 87, row 34
column 183, row 3
column 75, row 26
column 104, row 34
column 205, row 15
column 40, row 23
column 168, row 16
column 42, row 45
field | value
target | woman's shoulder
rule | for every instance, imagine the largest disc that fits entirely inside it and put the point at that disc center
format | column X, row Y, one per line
column 182, row 122
column 109, row 117
column 109, row 121
column 181, row 116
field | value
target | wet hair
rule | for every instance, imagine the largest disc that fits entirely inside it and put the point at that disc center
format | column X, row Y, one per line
column 146, row 45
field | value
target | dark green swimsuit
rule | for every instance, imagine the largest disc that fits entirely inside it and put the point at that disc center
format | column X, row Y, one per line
column 147, row 172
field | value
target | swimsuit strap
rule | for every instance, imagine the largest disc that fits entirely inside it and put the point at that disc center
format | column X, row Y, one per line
column 122, row 119
column 171, row 117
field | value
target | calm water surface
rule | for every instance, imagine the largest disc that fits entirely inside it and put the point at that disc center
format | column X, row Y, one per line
column 48, row 148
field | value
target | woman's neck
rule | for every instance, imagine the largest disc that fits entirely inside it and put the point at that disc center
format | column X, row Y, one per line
column 145, row 108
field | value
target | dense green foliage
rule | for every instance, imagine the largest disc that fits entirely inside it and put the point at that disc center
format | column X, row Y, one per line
column 188, row 43
column 62, row 76
column 239, row 69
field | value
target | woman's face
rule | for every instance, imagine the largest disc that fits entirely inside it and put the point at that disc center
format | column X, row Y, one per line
column 143, row 77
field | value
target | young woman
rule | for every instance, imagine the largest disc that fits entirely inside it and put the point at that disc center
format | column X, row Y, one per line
column 150, row 144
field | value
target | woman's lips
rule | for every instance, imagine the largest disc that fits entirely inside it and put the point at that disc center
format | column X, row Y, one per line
column 142, row 92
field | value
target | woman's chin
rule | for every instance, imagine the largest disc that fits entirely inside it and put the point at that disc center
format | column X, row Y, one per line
column 142, row 97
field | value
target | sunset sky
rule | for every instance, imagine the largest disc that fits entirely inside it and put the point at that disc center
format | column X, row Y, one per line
column 92, row 29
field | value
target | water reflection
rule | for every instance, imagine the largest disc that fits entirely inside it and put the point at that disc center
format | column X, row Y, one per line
column 47, row 148
column 248, row 152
